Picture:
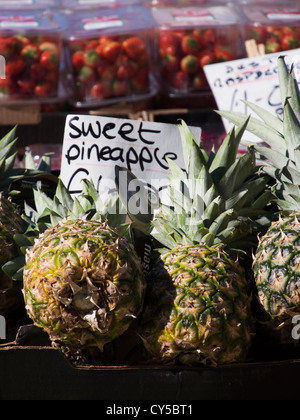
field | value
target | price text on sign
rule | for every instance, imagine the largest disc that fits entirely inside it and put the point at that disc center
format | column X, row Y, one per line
column 252, row 79
column 94, row 145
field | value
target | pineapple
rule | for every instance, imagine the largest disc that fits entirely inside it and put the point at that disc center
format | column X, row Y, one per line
column 277, row 257
column 11, row 223
column 83, row 281
column 197, row 306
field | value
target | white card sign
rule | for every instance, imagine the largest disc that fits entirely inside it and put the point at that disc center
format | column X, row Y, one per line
column 94, row 145
column 252, row 79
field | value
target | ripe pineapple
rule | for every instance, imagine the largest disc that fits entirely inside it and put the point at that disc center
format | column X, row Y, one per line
column 197, row 307
column 83, row 282
column 277, row 258
column 10, row 224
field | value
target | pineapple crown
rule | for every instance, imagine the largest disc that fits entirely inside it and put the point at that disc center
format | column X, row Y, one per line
column 279, row 151
column 48, row 212
column 218, row 199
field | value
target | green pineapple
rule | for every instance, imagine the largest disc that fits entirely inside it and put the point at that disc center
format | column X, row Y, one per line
column 197, row 307
column 277, row 258
column 83, row 281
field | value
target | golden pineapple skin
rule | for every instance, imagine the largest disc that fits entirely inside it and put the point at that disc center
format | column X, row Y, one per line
column 202, row 312
column 276, row 268
column 83, row 284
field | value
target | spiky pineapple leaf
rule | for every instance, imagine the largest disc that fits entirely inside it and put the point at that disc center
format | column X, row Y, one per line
column 45, row 163
column 213, row 210
column 176, row 173
column 193, row 156
column 15, row 267
column 237, row 201
column 22, row 240
column 283, row 76
column 63, row 195
column 253, row 189
column 291, row 133
column 8, row 143
column 260, row 202
column 204, row 182
column 221, row 222
column 290, row 205
column 227, row 152
column 236, row 174
column 270, row 119
column 273, row 156
column 274, row 139
column 210, row 195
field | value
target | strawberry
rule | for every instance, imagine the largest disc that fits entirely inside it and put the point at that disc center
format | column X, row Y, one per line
column 43, row 89
column 134, row 47
column 190, row 44
column 30, row 52
column 290, row 42
column 49, row 59
column 189, row 64
column 111, row 51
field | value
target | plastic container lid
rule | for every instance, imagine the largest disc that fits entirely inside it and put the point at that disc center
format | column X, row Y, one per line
column 88, row 4
column 202, row 16
column 108, row 21
column 266, row 15
column 174, row 3
column 32, row 21
column 28, row 4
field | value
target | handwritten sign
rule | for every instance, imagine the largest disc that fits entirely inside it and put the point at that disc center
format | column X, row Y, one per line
column 252, row 79
column 94, row 145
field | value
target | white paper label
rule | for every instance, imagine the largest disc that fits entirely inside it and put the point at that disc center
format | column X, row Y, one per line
column 192, row 16
column 15, row 2
column 94, row 145
column 102, row 22
column 282, row 14
column 18, row 21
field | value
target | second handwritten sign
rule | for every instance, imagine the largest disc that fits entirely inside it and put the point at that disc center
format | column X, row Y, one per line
column 252, row 79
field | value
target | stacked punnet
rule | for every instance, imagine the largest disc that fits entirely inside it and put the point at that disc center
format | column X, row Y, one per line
column 225, row 250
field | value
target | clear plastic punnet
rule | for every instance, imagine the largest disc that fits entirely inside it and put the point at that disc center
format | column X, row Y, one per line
column 189, row 38
column 31, row 50
column 110, row 56
column 275, row 28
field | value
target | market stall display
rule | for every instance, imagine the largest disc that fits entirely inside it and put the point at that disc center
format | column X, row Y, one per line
column 211, row 310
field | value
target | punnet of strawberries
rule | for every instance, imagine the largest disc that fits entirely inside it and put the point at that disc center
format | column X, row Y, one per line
column 110, row 55
column 275, row 38
column 110, row 66
column 276, row 27
column 189, row 38
column 184, row 53
column 31, row 65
